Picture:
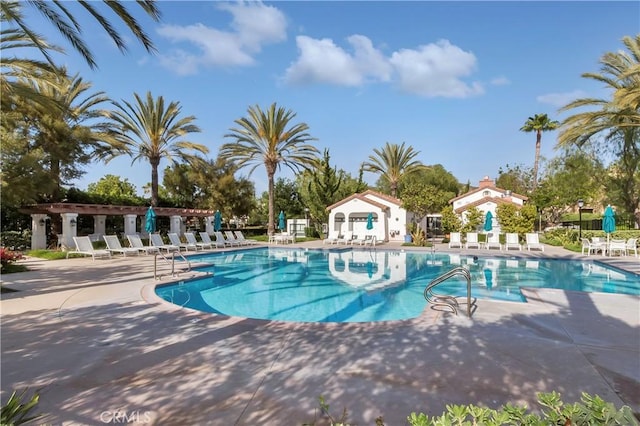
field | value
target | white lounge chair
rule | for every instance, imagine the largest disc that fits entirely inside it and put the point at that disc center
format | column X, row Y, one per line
column 370, row 240
column 533, row 241
column 136, row 242
column 493, row 241
column 512, row 240
column 472, row 240
column 175, row 240
column 455, row 240
column 632, row 246
column 221, row 239
column 346, row 238
column 114, row 246
column 332, row 238
column 191, row 239
column 207, row 239
column 282, row 237
column 84, row 246
column 157, row 241
column 240, row 237
column 230, row 236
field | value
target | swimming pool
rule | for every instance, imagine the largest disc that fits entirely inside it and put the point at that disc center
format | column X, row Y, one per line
column 351, row 285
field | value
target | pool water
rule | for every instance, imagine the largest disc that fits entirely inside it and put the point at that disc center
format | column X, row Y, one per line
column 345, row 285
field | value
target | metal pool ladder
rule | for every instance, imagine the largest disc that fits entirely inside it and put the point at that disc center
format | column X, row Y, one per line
column 172, row 262
column 451, row 303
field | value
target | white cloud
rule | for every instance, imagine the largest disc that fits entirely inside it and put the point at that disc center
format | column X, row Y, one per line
column 436, row 69
column 561, row 99
column 431, row 70
column 500, row 81
column 254, row 25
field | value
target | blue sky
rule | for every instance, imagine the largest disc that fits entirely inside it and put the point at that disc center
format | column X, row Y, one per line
column 455, row 80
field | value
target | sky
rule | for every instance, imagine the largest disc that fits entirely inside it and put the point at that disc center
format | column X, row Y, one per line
column 454, row 80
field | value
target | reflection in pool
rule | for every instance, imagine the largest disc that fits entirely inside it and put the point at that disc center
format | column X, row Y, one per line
column 348, row 285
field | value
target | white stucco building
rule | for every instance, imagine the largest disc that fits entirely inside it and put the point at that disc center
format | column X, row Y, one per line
column 487, row 197
column 350, row 214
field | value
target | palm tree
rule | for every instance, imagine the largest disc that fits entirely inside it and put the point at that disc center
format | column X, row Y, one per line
column 63, row 19
column 538, row 123
column 147, row 130
column 267, row 138
column 392, row 163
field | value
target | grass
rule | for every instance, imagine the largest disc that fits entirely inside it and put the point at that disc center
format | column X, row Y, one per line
column 47, row 254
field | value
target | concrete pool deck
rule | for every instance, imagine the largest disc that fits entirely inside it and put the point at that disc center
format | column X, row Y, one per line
column 101, row 347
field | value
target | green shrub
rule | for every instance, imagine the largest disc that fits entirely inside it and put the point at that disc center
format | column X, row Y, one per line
column 17, row 411
column 16, row 240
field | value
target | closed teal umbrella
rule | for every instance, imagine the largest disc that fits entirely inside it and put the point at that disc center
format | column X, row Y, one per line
column 370, row 221
column 217, row 221
column 488, row 222
column 609, row 221
column 150, row 221
column 281, row 221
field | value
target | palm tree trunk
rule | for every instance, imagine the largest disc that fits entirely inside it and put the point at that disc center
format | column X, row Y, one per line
column 537, row 159
column 270, row 225
column 154, row 181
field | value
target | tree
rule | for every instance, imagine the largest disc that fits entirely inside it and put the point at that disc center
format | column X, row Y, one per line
column 113, row 189
column 392, row 162
column 517, row 179
column 61, row 17
column 612, row 123
column 422, row 199
column 148, row 131
column 538, row 123
column 268, row 138
column 473, row 218
column 450, row 220
column 516, row 220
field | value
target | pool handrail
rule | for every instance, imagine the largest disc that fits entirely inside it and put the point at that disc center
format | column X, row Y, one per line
column 447, row 301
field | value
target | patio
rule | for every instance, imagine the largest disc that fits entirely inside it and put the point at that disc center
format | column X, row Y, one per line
column 96, row 341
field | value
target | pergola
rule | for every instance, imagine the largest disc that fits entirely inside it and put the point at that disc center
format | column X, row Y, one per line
column 69, row 213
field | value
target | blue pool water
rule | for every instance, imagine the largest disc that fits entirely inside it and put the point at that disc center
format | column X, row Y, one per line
column 364, row 285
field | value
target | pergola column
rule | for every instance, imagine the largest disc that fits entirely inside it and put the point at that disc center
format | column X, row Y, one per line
column 39, row 231
column 69, row 230
column 130, row 224
column 208, row 224
column 176, row 225
column 99, row 224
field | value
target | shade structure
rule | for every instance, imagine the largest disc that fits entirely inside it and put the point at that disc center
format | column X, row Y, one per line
column 217, row 221
column 370, row 221
column 281, row 221
column 488, row 222
column 609, row 221
column 150, row 221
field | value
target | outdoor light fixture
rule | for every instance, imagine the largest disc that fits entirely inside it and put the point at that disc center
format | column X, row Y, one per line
column 580, row 206
column 41, row 222
column 72, row 222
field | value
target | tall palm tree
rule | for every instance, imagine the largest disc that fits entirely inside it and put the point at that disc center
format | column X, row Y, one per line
column 538, row 123
column 67, row 135
column 146, row 130
column 59, row 14
column 393, row 162
column 616, row 119
column 268, row 138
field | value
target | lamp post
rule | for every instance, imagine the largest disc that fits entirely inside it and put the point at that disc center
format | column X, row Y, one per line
column 580, row 205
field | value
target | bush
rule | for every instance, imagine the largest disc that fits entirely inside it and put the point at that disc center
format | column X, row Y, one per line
column 16, row 411
column 16, row 240
column 8, row 256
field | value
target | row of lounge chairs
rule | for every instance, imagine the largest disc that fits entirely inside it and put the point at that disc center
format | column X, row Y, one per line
column 512, row 241
column 84, row 245
column 349, row 239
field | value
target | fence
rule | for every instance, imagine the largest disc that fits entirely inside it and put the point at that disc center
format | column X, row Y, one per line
column 596, row 224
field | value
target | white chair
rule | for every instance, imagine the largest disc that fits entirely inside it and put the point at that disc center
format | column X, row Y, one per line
column 632, row 246
column 370, row 240
column 207, row 240
column 221, row 239
column 533, row 241
column 157, row 241
column 346, row 238
column 455, row 240
column 175, row 240
column 240, row 237
column 493, row 241
column 472, row 240
column 136, row 242
column 231, row 237
column 114, row 246
column 84, row 246
column 332, row 238
column 590, row 247
column 617, row 246
column 512, row 240
column 191, row 239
